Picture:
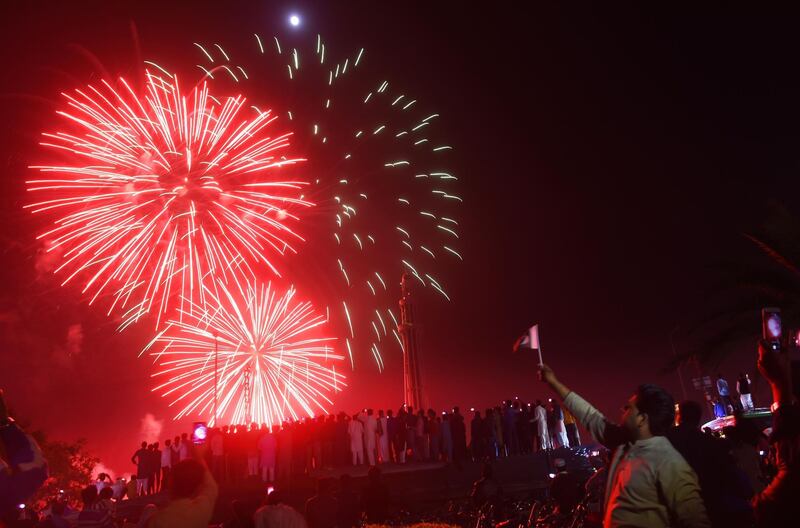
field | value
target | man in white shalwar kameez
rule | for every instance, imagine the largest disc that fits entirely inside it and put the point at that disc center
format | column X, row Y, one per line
column 371, row 436
column 540, row 416
column 560, row 434
column 383, row 436
column 356, row 431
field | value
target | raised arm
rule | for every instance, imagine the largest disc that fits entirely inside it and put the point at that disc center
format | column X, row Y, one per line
column 775, row 366
column 604, row 431
column 207, row 494
column 772, row 505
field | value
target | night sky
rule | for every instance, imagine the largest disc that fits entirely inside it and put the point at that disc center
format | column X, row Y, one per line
column 609, row 161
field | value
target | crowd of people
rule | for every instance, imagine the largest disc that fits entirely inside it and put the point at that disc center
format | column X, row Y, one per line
column 724, row 404
column 661, row 470
column 519, row 428
column 193, row 494
column 238, row 452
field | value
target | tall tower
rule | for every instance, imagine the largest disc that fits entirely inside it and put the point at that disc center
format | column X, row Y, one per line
column 412, row 381
column 248, row 395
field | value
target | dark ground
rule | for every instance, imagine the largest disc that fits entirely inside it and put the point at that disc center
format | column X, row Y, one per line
column 415, row 489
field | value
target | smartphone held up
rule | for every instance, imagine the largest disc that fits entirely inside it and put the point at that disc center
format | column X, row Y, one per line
column 771, row 327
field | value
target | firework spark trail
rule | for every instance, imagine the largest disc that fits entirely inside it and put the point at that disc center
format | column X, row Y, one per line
column 380, row 175
column 291, row 370
column 160, row 191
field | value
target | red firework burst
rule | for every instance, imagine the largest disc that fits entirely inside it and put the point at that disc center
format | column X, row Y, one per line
column 271, row 361
column 162, row 190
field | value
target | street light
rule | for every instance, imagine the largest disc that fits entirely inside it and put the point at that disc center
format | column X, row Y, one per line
column 216, row 371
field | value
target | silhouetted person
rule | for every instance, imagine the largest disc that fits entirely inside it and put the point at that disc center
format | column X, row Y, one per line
column 193, row 494
column 118, row 488
column 744, row 438
column 154, row 468
column 321, row 509
column 523, row 429
column 242, row 515
column 486, row 490
column 477, row 437
column 104, row 501
column 22, row 467
column 278, row 514
column 411, row 434
column 459, row 433
column 724, row 394
column 183, row 449
column 92, row 515
column 103, row 481
column 375, row 498
column 435, row 434
column 743, row 388
column 383, row 437
column 399, row 436
column 573, row 436
column 447, row 439
column 268, row 449
column 131, row 488
column 285, row 448
column 251, row 439
column 567, row 487
column 341, row 441
column 166, row 464
column 710, row 459
column 421, row 437
column 489, row 436
column 510, row 428
column 497, row 414
column 216, row 445
column 175, row 453
column 348, row 514
column 391, row 433
column 777, row 505
column 147, row 513
column 57, row 519
column 142, row 460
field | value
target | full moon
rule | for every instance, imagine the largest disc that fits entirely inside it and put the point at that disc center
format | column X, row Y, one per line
column 294, row 20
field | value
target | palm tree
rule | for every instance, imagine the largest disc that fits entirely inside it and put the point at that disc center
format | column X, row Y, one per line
column 768, row 274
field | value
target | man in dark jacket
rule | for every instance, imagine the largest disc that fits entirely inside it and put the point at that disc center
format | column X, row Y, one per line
column 459, row 433
column 375, row 498
column 322, row 508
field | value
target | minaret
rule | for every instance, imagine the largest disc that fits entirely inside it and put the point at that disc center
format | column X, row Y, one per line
column 248, row 396
column 412, row 382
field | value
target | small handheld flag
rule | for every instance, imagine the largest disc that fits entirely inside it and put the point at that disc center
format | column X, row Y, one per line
column 530, row 340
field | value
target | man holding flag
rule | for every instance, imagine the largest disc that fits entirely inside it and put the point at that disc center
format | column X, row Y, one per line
column 530, row 341
column 649, row 482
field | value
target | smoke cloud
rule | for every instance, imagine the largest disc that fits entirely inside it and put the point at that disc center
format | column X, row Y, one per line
column 74, row 339
column 151, row 428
